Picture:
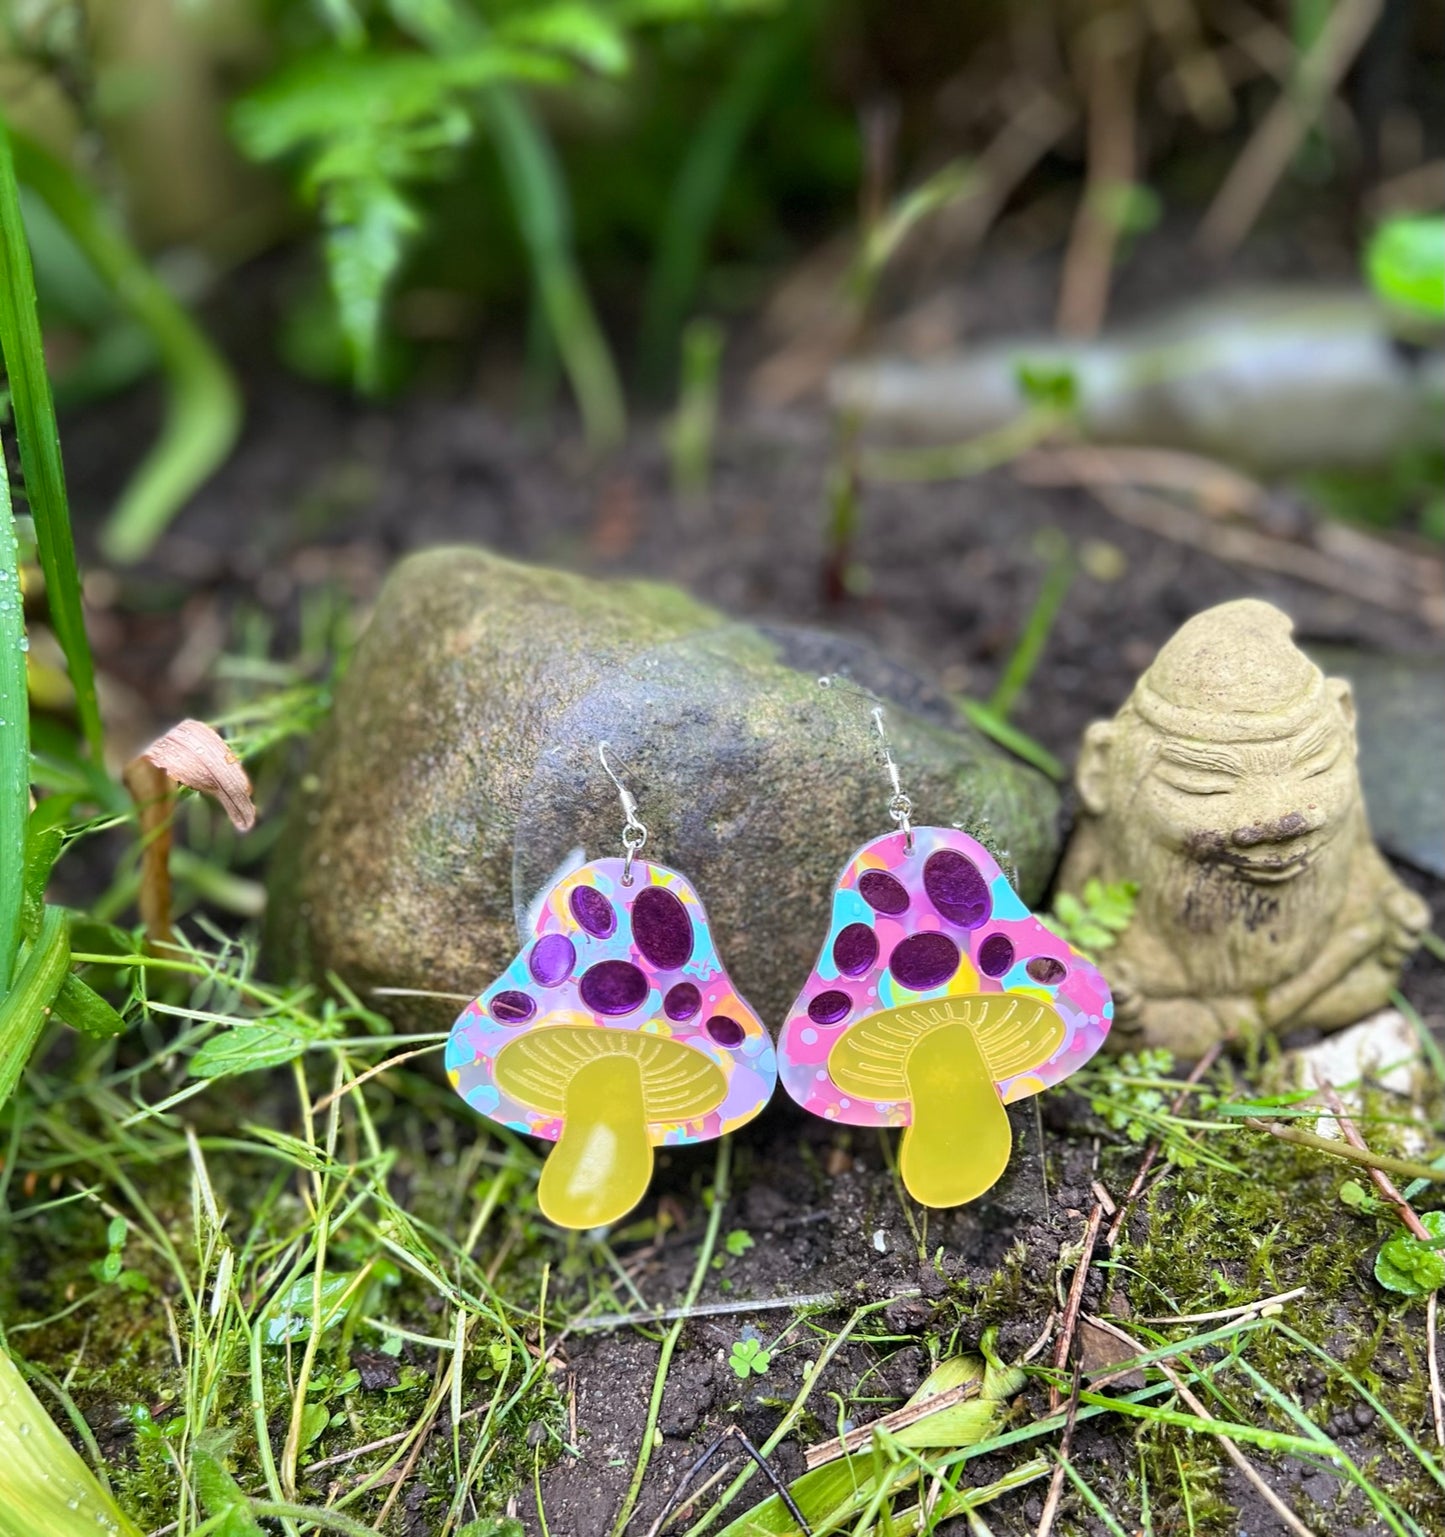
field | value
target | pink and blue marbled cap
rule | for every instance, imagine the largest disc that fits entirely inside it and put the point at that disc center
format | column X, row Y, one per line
column 941, row 922
column 618, row 958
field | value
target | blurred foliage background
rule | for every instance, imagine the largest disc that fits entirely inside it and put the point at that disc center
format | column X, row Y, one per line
column 583, row 177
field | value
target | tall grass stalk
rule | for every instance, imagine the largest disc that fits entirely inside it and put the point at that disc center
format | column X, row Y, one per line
column 14, row 738
column 203, row 405
column 39, row 437
column 539, row 198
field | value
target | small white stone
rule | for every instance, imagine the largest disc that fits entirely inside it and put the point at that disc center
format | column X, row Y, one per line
column 880, row 1241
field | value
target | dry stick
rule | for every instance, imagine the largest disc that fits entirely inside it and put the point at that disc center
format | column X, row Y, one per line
column 1267, row 155
column 1202, row 83
column 1409, row 582
column 899, row 1419
column 732, row 1433
column 1437, row 1398
column 1056, row 1483
column 1070, row 1319
column 1076, row 1299
column 1217, row 489
column 1110, row 45
column 1201, row 1067
column 1383, row 1183
column 1237, row 1457
column 1337, row 1149
column 1276, row 1302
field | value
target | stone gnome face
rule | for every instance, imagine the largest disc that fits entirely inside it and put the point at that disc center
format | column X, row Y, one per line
column 1227, row 789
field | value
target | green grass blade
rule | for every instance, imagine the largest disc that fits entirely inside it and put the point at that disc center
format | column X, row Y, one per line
column 698, row 192
column 46, row 1490
column 203, row 405
column 25, row 1010
column 40, row 449
column 540, row 200
column 14, row 739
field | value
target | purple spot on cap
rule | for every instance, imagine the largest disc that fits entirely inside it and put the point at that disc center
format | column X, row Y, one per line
column 923, row 961
column 551, row 959
column 661, row 927
column 995, row 955
column 726, row 1032
column 512, row 1008
column 682, row 1001
column 956, row 888
column 855, row 949
column 613, row 987
column 828, row 1008
column 884, row 893
column 593, row 911
column 1045, row 969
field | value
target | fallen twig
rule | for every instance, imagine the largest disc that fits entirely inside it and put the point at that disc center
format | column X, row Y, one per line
column 1432, row 1351
column 1337, row 1149
column 1264, row 159
column 1076, row 1298
column 1217, row 489
column 716, row 1310
column 1110, row 47
column 1232, row 1451
column 1201, row 1067
column 732, row 1433
column 899, row 1419
column 1383, row 1183
column 1243, row 1311
column 1056, row 1483
column 1395, row 580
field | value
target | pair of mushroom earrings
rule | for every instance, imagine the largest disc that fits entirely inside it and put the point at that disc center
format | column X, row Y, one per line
column 936, row 1000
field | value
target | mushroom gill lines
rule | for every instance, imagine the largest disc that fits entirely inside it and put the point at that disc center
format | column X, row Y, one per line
column 1014, row 1033
column 679, row 1083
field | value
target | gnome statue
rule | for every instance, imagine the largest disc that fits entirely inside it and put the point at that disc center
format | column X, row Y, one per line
column 1226, row 789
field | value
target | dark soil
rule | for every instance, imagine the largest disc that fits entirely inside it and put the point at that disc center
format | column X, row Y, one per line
column 325, row 491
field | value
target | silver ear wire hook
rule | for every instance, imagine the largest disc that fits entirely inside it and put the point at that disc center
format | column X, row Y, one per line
column 900, row 807
column 634, row 833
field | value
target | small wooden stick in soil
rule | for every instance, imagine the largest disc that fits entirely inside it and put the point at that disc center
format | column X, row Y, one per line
column 1076, row 1299
column 1201, row 1067
column 1070, row 1320
column 1108, row 46
column 732, row 1433
column 1383, row 1183
column 1232, row 1451
column 1056, row 1483
column 1432, row 1352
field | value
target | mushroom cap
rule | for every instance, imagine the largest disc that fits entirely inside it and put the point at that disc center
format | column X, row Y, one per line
column 612, row 967
column 941, row 925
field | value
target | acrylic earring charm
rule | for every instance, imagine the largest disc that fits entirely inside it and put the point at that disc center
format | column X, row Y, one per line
column 614, row 1031
column 937, row 1000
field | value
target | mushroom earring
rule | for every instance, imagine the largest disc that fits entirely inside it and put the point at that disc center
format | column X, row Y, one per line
column 614, row 1031
column 937, row 1000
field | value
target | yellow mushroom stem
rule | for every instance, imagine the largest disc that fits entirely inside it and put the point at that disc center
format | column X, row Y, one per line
column 602, row 1163
column 959, row 1141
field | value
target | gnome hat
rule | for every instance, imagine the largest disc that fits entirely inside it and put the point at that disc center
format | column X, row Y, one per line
column 1231, row 674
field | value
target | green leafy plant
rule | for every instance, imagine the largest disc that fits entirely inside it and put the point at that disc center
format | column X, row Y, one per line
column 1094, row 920
column 1410, row 1266
column 749, row 1359
column 1405, row 263
column 972, row 1394
column 388, row 104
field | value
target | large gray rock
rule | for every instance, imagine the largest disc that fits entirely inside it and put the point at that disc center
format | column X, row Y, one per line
column 459, row 769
